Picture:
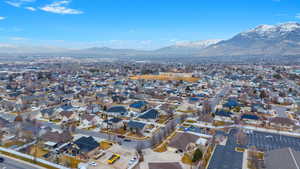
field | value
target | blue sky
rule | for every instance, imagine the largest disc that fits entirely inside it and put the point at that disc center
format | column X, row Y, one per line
column 140, row 24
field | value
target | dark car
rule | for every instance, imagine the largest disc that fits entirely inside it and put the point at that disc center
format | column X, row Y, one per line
column 121, row 136
column 1, row 160
column 127, row 140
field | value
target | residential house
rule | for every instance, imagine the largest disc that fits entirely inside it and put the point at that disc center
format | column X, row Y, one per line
column 136, row 127
column 150, row 115
column 85, row 147
column 53, row 139
column 117, row 110
column 138, row 106
column 89, row 120
column 181, row 140
column 48, row 113
column 164, row 165
column 250, row 119
column 68, row 116
column 282, row 123
column 231, row 103
column 113, row 123
column 223, row 115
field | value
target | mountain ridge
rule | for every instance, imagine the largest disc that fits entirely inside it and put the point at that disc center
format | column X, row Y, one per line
column 265, row 40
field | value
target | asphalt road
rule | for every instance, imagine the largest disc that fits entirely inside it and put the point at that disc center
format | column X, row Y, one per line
column 280, row 110
column 218, row 98
column 292, row 84
column 14, row 164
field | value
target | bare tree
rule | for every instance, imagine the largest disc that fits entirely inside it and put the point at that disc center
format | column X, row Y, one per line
column 241, row 138
column 138, row 149
column 206, row 108
column 253, row 158
column 189, row 149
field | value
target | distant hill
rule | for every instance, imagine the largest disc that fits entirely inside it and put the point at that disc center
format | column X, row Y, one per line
column 192, row 48
column 270, row 41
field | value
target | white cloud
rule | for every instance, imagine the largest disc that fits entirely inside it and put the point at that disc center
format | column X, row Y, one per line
column 298, row 15
column 18, row 3
column 2, row 18
column 18, row 38
column 30, row 8
column 59, row 7
column 6, row 45
column 15, row 4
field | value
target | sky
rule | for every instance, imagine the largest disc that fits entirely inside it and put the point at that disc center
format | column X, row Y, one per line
column 137, row 24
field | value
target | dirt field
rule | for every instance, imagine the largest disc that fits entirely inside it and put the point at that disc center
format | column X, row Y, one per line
column 164, row 77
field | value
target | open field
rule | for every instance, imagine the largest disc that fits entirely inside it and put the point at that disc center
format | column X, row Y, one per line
column 164, row 77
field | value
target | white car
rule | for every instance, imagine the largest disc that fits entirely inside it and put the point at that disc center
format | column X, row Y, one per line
column 92, row 163
column 132, row 161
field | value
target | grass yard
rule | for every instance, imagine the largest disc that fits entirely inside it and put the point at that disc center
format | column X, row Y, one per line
column 239, row 149
column 219, row 123
column 186, row 159
column 161, row 148
column 12, row 143
column 38, row 151
column 27, row 160
column 69, row 161
column 163, row 119
column 191, row 121
column 164, row 77
column 104, row 145
column 136, row 136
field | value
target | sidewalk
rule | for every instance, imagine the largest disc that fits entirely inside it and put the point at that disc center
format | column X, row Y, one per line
column 245, row 159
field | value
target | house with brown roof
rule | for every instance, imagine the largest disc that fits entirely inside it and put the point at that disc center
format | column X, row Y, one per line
column 166, row 165
column 282, row 123
column 68, row 115
column 88, row 120
column 181, row 140
column 54, row 138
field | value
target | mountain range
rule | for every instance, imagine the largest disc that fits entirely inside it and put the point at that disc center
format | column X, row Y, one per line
column 264, row 40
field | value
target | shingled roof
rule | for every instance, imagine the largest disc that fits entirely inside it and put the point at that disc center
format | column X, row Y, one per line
column 282, row 121
column 181, row 140
column 171, row 165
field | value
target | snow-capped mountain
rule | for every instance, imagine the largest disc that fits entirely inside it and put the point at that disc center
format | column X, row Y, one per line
column 186, row 47
column 273, row 41
column 273, row 30
column 281, row 40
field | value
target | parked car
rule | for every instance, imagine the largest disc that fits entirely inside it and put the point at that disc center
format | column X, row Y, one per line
column 92, row 163
column 121, row 136
column 132, row 161
column 113, row 158
column 127, row 140
column 99, row 155
column 1, row 159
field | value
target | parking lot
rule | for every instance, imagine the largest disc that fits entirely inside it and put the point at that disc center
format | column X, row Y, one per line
column 225, row 157
column 266, row 141
column 122, row 163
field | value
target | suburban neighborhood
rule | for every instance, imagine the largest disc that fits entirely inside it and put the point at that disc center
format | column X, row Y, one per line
column 152, row 116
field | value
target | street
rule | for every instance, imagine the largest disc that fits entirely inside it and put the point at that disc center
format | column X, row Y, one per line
column 10, row 163
column 218, row 98
column 280, row 110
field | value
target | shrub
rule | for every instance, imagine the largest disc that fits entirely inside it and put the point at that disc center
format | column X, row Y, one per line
column 197, row 155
